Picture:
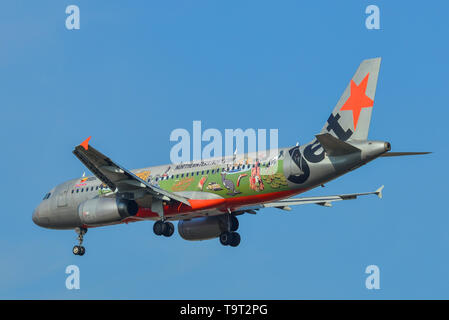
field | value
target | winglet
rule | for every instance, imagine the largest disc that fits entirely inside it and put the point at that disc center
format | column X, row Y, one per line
column 85, row 143
column 379, row 192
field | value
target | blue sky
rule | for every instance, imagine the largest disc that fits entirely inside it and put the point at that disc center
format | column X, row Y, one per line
column 137, row 70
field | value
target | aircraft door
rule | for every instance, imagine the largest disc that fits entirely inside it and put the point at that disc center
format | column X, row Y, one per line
column 62, row 197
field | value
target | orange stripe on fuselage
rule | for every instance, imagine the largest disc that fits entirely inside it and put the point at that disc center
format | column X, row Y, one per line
column 219, row 204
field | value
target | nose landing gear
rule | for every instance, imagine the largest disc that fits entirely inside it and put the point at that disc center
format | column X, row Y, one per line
column 79, row 250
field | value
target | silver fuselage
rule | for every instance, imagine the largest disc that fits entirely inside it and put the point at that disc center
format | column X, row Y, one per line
column 61, row 209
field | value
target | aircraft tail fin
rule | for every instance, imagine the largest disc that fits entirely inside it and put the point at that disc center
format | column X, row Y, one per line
column 351, row 117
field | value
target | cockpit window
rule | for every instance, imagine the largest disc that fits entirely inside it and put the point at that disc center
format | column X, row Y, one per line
column 47, row 196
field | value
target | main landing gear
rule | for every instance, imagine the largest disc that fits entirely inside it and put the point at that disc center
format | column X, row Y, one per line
column 164, row 228
column 79, row 250
column 231, row 237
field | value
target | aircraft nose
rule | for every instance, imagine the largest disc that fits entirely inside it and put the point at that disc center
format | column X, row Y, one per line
column 39, row 216
column 36, row 216
column 42, row 215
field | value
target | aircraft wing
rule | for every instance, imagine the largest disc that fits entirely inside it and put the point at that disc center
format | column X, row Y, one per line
column 324, row 200
column 116, row 177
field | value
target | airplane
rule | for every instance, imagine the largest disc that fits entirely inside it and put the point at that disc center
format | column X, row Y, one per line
column 207, row 196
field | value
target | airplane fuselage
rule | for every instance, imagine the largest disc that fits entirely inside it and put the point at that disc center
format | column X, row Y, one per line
column 213, row 187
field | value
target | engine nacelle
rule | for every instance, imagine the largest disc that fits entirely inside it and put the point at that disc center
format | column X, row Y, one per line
column 106, row 210
column 203, row 228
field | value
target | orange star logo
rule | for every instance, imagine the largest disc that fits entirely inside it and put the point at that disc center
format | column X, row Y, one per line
column 358, row 99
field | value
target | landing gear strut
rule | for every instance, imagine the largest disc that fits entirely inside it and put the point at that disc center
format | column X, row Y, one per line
column 234, row 223
column 79, row 250
column 231, row 237
column 163, row 228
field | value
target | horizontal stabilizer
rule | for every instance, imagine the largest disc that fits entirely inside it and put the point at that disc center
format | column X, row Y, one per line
column 399, row 154
column 334, row 146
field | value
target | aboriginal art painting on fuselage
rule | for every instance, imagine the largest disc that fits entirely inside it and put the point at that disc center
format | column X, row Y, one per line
column 227, row 179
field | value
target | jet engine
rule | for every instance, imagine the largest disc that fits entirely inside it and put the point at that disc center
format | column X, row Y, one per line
column 203, row 228
column 106, row 210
